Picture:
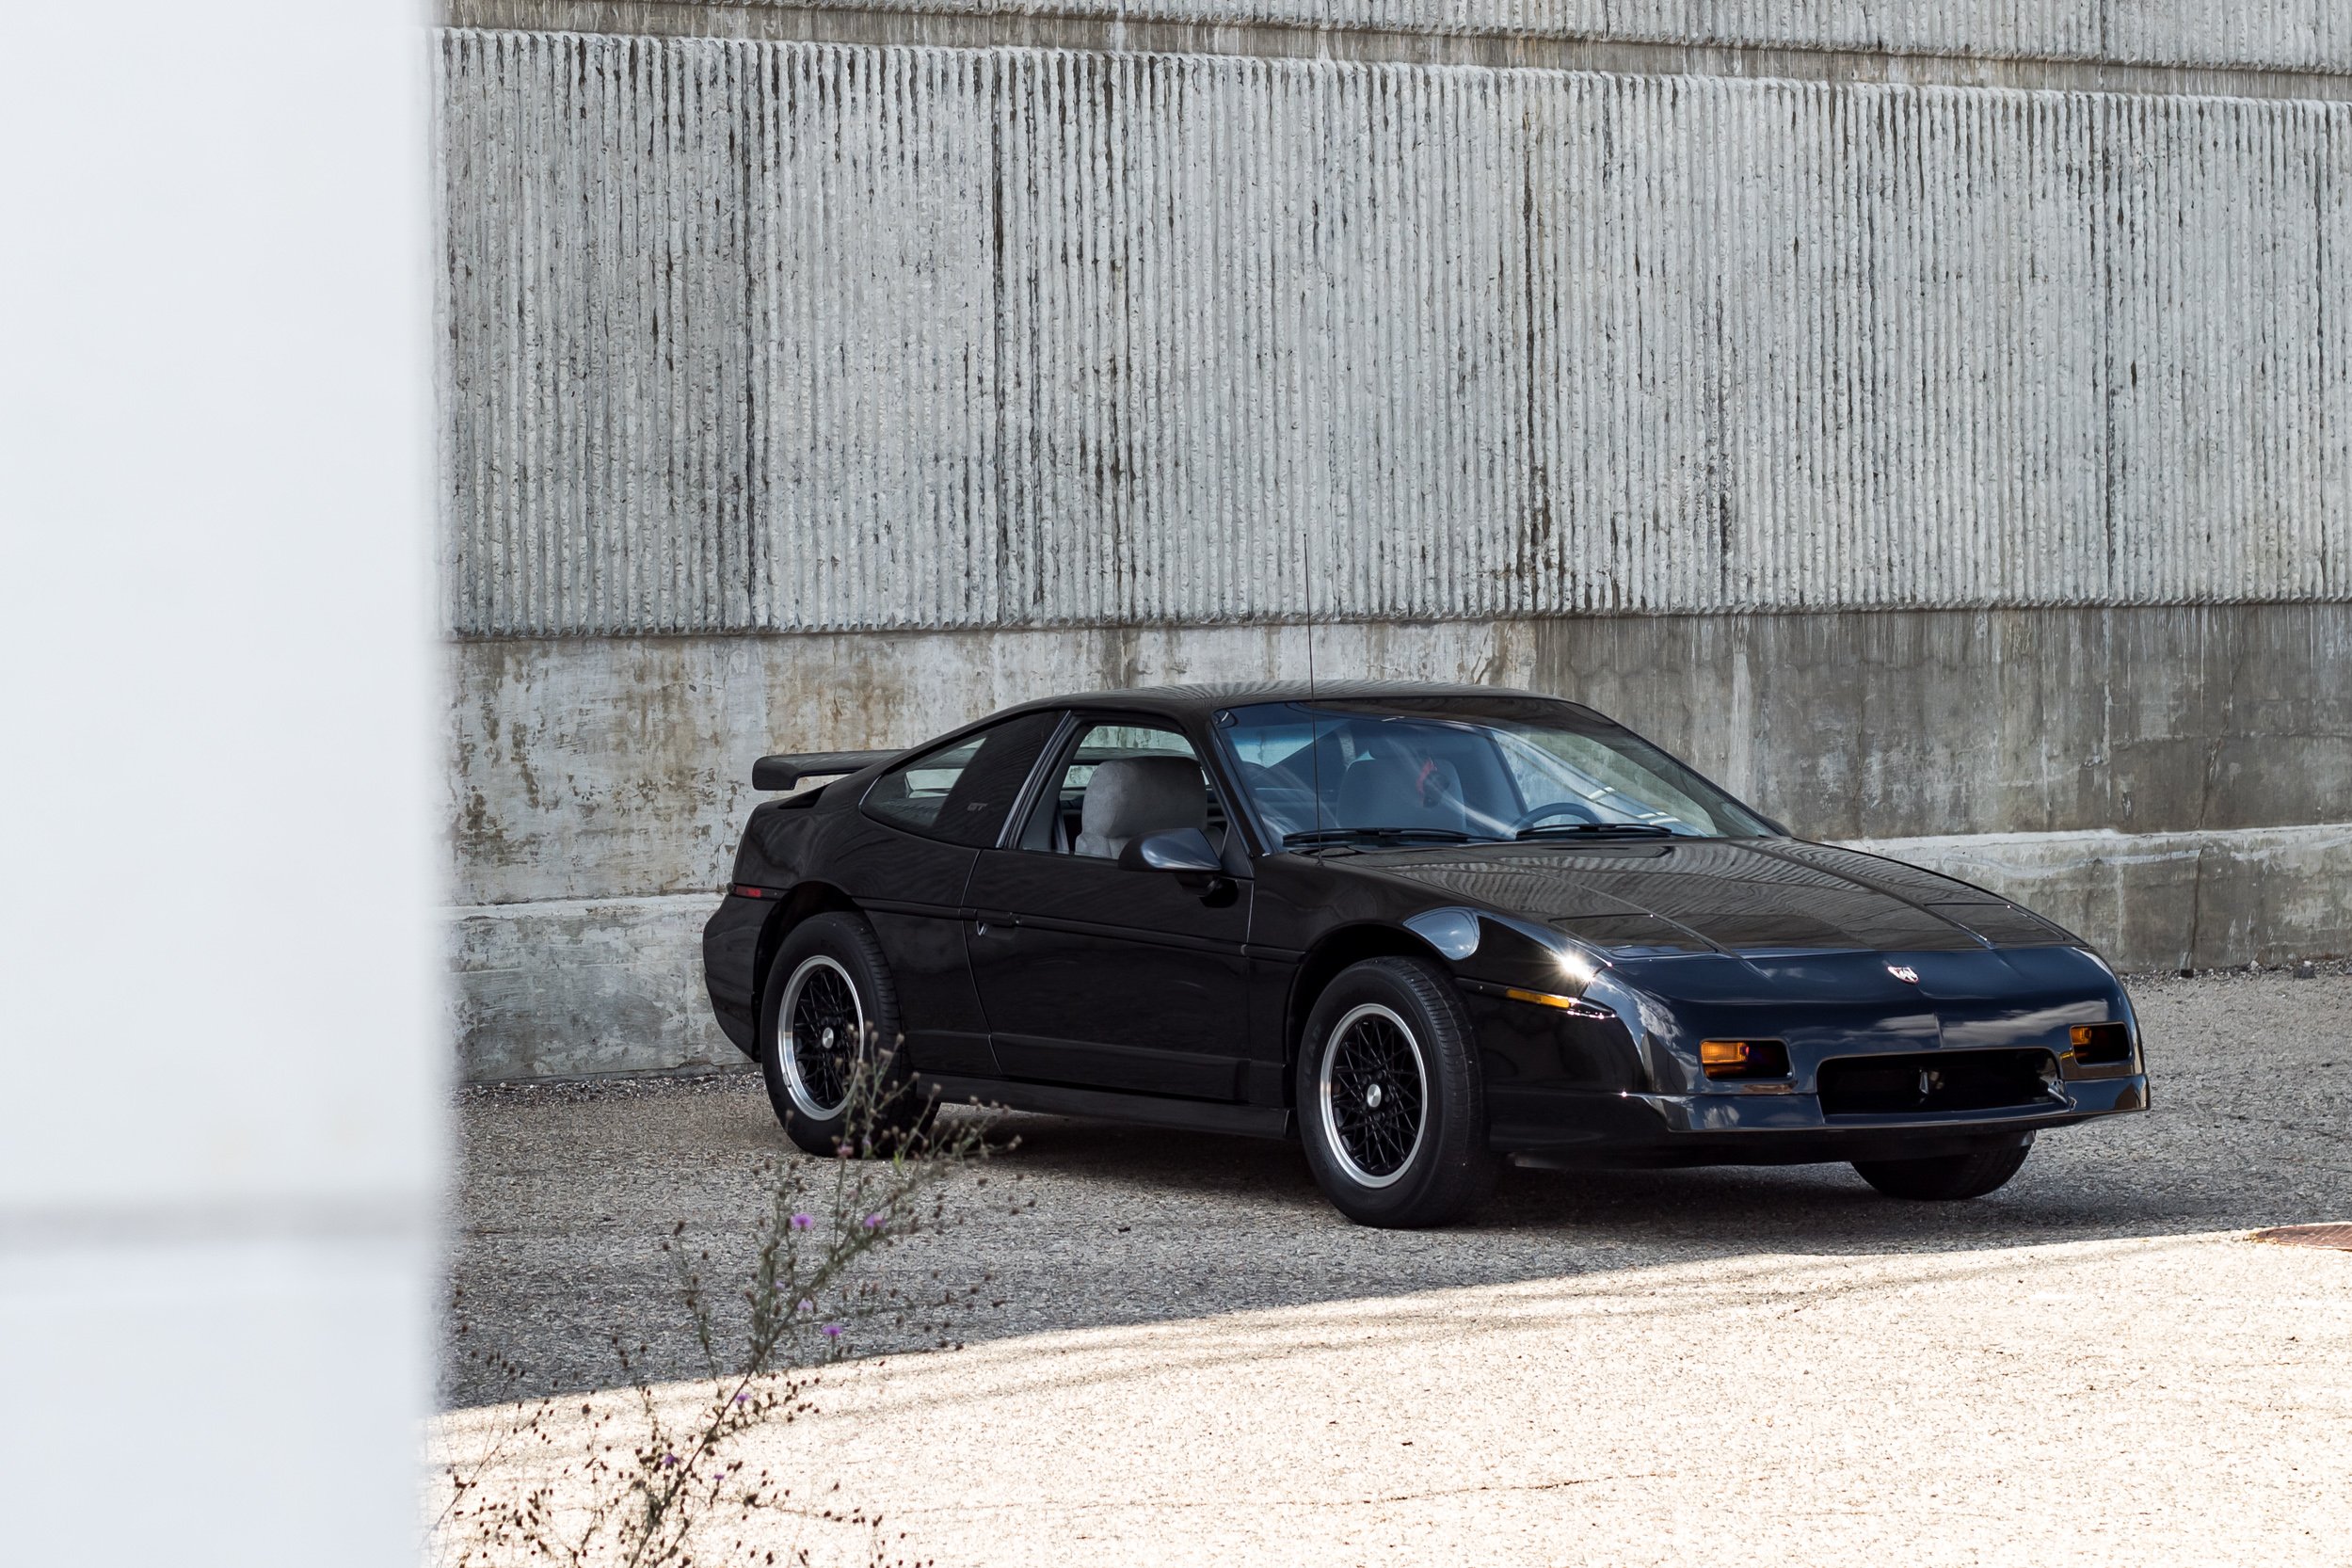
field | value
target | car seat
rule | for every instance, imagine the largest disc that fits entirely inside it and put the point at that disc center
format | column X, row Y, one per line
column 1131, row 796
column 1389, row 788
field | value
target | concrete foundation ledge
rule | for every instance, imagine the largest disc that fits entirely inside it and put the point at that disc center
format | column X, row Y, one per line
column 2161, row 900
column 585, row 987
column 580, row 989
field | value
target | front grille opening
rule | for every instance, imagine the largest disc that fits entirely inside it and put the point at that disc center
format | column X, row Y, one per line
column 1937, row 1081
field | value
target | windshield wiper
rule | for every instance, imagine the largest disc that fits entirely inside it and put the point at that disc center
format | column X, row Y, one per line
column 1386, row 834
column 1590, row 829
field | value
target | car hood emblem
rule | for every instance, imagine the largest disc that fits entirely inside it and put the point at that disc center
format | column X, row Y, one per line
column 1904, row 972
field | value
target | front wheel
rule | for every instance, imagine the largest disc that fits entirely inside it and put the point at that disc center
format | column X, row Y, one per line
column 829, row 1034
column 1949, row 1178
column 1390, row 1105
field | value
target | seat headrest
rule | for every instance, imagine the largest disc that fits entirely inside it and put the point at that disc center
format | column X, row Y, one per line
column 1131, row 796
column 1390, row 791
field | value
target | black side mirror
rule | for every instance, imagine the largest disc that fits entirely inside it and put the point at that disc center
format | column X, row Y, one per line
column 1182, row 849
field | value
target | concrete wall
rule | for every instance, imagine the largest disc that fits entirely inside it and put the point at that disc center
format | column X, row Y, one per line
column 1950, row 463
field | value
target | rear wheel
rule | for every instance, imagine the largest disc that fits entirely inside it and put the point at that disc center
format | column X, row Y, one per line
column 829, row 1034
column 1390, row 1105
column 1947, row 1179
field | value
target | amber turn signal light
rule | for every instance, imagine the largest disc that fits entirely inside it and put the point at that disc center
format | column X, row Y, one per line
column 1743, row 1057
column 2100, row 1045
column 1566, row 1004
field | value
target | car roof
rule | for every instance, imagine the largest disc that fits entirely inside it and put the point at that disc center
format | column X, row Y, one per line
column 1197, row 702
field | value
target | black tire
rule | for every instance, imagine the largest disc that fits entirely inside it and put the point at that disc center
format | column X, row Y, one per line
column 831, row 970
column 1375, row 1169
column 1949, row 1178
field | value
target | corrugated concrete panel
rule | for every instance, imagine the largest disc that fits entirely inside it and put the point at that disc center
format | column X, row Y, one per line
column 750, row 336
column 595, row 768
column 558, row 990
column 2289, row 34
column 1186, row 30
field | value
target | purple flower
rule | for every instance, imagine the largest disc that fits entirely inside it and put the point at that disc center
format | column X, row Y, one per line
column 832, row 1331
column 744, row 1398
column 802, row 1221
column 874, row 1221
column 806, row 1305
column 668, row 1459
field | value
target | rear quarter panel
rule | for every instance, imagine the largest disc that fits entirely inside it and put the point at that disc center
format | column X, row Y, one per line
column 776, row 845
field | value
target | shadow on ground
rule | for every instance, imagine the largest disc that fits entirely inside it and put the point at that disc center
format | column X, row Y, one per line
column 567, row 1190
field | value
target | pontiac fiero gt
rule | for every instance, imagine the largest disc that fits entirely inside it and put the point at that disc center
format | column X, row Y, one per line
column 1423, row 929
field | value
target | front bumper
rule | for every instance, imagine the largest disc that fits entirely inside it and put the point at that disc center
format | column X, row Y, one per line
column 1752, row 1125
column 1767, row 1108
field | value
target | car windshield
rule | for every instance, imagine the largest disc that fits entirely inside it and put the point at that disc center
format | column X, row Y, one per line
column 1439, row 770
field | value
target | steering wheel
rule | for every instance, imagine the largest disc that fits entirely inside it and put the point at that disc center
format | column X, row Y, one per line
column 1556, row 809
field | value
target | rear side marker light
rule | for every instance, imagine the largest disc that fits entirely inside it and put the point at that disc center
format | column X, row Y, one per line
column 2100, row 1045
column 1743, row 1057
column 745, row 889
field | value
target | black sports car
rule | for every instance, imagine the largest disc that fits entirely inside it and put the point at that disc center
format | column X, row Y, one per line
column 1423, row 929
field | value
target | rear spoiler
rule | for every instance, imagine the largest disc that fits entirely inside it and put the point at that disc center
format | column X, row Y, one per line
column 785, row 772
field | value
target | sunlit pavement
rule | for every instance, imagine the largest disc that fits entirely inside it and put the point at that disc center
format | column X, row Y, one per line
column 1197, row 1363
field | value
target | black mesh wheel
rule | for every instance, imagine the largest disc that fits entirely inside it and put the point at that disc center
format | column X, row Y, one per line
column 1391, row 1109
column 821, row 1033
column 830, row 1041
column 1373, row 1095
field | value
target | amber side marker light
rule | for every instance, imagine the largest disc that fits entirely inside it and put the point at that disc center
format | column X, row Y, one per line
column 2100, row 1045
column 1566, row 1004
column 1743, row 1057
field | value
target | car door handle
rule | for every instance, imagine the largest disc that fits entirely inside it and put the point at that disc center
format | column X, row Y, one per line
column 1217, row 892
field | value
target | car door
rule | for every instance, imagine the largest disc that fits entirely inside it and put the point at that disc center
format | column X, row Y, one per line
column 1093, row 974
column 921, row 827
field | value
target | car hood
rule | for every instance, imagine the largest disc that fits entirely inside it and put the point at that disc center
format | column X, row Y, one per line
column 1636, row 898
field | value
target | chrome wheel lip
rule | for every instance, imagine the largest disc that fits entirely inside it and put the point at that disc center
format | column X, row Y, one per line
column 1332, row 1140
column 787, row 1051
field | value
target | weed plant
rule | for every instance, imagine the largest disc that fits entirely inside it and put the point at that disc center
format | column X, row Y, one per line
column 648, row 1475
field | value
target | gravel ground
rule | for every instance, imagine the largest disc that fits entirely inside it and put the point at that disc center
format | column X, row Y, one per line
column 1195, row 1360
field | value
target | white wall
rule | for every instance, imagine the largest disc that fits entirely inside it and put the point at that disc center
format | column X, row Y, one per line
column 218, row 1118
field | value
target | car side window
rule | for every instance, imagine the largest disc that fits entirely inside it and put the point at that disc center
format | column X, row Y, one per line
column 962, row 792
column 1121, row 780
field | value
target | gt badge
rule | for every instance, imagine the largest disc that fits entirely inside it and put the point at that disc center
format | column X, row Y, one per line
column 1904, row 972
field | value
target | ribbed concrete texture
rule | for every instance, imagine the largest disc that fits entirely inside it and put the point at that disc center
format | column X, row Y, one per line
column 2147, row 777
column 796, row 336
column 2292, row 35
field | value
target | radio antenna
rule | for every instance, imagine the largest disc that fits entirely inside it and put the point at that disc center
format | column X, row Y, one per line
column 1314, row 734
column 1306, row 551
